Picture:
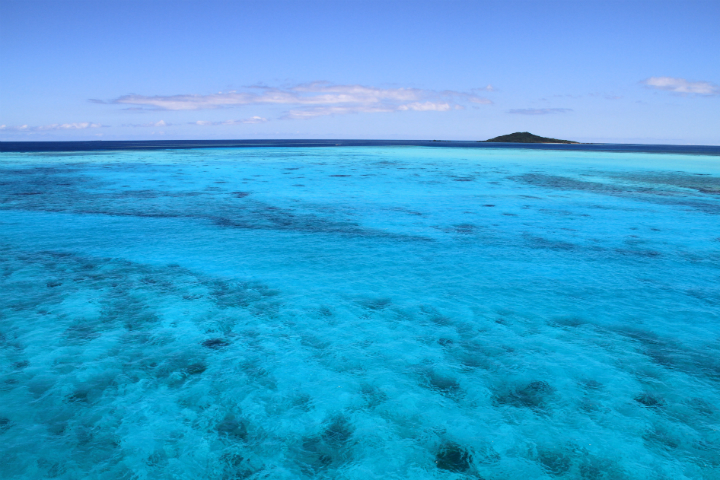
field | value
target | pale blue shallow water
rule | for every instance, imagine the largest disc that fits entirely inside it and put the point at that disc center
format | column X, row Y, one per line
column 359, row 313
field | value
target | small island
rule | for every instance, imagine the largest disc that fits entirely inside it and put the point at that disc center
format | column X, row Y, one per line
column 526, row 137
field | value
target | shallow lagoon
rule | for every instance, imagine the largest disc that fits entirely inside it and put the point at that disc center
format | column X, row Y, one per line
column 359, row 312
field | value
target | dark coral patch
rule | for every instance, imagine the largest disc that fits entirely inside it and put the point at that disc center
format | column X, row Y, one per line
column 533, row 395
column 376, row 303
column 444, row 385
column 554, row 463
column 648, row 400
column 464, row 228
column 568, row 322
column 237, row 466
column 215, row 343
column 591, row 384
column 21, row 364
column 81, row 333
column 196, row 368
column 453, row 458
column 329, row 448
column 233, row 428
column 79, row 396
column 337, row 433
column 701, row 406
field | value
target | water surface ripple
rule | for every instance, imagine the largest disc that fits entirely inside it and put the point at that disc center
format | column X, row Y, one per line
column 359, row 312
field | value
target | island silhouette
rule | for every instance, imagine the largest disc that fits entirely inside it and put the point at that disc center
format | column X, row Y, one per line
column 526, row 137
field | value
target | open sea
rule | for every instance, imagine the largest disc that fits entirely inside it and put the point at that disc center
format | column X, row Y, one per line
column 365, row 310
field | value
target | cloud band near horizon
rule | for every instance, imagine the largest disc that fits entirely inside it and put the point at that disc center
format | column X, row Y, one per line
column 310, row 100
column 51, row 127
column 682, row 86
column 539, row 111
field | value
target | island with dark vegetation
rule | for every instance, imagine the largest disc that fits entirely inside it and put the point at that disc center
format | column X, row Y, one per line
column 526, row 137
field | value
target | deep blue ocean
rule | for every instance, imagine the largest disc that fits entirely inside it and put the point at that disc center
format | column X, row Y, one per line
column 360, row 311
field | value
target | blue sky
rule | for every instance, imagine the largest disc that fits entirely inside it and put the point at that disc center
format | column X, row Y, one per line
column 626, row 72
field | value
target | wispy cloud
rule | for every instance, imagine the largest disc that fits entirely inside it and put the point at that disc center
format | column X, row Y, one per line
column 306, row 113
column 426, row 107
column 161, row 123
column 682, row 86
column 314, row 99
column 51, row 127
column 539, row 111
column 254, row 119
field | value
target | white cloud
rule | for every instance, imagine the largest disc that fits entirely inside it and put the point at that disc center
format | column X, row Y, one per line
column 161, row 123
column 312, row 99
column 323, row 111
column 355, row 93
column 680, row 85
column 51, row 127
column 254, row 119
column 539, row 111
column 426, row 107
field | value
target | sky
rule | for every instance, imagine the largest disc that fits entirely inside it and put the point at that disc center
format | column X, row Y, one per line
column 609, row 71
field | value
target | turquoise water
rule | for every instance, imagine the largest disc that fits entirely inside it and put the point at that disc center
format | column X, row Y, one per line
column 359, row 313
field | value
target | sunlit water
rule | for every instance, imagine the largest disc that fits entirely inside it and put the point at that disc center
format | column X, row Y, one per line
column 359, row 313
